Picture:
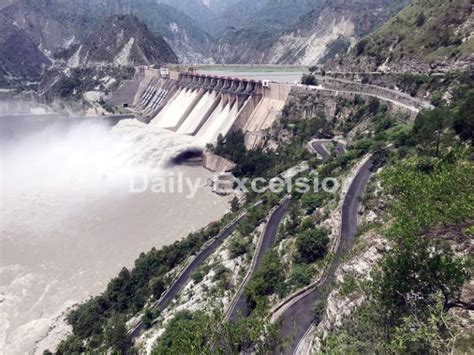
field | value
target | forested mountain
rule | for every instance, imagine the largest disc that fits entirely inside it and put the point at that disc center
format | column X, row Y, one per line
column 303, row 32
column 427, row 34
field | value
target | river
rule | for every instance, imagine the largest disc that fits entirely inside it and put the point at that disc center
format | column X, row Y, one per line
column 72, row 217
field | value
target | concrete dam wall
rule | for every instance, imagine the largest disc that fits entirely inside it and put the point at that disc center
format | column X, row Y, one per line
column 205, row 106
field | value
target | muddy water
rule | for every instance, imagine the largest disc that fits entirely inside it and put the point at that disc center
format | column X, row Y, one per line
column 69, row 222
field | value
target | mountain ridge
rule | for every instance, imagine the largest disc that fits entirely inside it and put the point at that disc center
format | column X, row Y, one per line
column 20, row 58
column 122, row 40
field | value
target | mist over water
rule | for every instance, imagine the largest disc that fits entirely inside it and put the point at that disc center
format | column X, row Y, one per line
column 69, row 223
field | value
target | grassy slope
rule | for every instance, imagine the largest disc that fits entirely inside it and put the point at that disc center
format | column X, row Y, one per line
column 435, row 37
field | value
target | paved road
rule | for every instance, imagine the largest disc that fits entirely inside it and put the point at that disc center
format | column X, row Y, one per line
column 183, row 278
column 267, row 243
column 298, row 318
column 358, row 92
column 318, row 146
column 415, row 101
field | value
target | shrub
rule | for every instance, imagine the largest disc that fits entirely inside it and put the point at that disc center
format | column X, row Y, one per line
column 309, row 79
column 197, row 276
column 300, row 276
column 238, row 246
column 312, row 245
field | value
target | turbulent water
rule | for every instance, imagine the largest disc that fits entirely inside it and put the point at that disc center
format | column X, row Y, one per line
column 69, row 221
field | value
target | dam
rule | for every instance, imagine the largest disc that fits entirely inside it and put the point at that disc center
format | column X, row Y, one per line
column 205, row 107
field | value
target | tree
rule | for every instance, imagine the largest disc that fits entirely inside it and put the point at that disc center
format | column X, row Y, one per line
column 205, row 333
column 464, row 119
column 158, row 286
column 148, row 318
column 266, row 280
column 361, row 46
column 429, row 128
column 116, row 334
column 374, row 105
column 238, row 246
column 420, row 19
column 312, row 245
column 293, row 222
column 71, row 345
column 235, row 204
column 309, row 79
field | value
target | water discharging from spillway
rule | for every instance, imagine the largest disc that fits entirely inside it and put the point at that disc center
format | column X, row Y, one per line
column 70, row 222
column 218, row 123
column 172, row 113
column 198, row 114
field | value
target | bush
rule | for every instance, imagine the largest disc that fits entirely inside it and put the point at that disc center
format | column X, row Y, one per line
column 309, row 79
column 300, row 276
column 238, row 246
column 157, row 287
column 197, row 276
column 464, row 119
column 266, row 280
column 312, row 245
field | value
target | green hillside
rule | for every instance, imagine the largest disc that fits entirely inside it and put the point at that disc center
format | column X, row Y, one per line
column 426, row 30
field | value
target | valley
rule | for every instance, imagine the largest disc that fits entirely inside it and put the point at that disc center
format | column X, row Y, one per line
column 235, row 176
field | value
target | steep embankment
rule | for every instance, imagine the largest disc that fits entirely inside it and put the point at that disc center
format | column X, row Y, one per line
column 122, row 40
column 427, row 34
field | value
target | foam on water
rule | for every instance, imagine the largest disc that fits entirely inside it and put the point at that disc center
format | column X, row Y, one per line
column 152, row 146
column 69, row 222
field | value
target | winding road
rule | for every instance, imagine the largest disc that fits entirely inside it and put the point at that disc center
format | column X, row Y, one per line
column 318, row 146
column 183, row 278
column 298, row 317
column 238, row 307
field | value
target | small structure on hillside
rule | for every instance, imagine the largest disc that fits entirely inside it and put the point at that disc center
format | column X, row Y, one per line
column 165, row 72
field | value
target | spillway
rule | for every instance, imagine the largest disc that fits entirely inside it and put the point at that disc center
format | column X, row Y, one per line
column 221, row 119
column 204, row 106
column 198, row 114
column 172, row 114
